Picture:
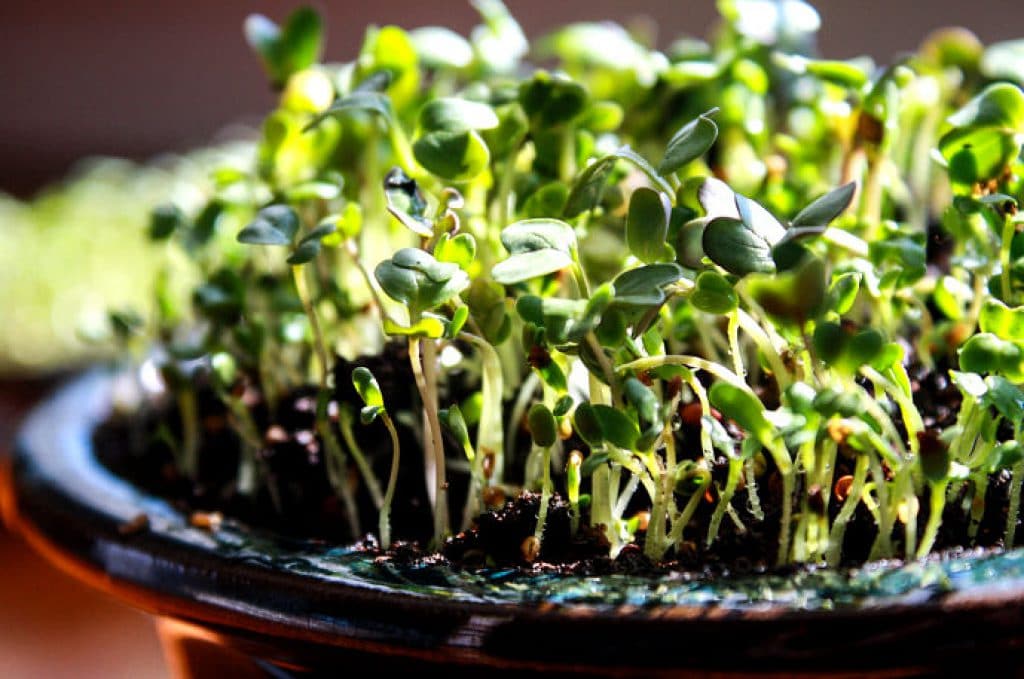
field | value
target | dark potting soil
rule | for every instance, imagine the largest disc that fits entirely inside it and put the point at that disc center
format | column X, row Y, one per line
column 295, row 498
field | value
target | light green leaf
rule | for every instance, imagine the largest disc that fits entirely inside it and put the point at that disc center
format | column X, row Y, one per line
column 523, row 267
column 1004, row 61
column 986, row 353
column 999, row 105
column 451, row 114
column 1002, row 321
column 429, row 326
column 357, row 102
column 440, row 47
column 419, row 281
column 367, row 387
column 459, row 249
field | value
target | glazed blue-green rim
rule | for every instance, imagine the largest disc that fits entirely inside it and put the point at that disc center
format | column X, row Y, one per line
column 239, row 577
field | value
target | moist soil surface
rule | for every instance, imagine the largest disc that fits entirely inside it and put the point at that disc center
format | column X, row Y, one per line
column 295, row 498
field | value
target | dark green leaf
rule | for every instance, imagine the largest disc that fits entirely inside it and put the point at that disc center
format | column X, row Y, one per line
column 741, row 406
column 406, row 202
column 563, row 406
column 647, row 226
column 1006, row 397
column 978, row 154
column 125, row 323
column 550, row 99
column 542, row 425
column 843, row 292
column 523, row 267
column 730, row 244
column 713, row 294
column 546, row 201
column 934, row 457
column 826, row 208
column 453, row 420
column 538, row 247
column 456, row 156
column 165, row 220
column 593, row 461
column 645, row 286
column 304, row 252
column 273, row 225
column 794, row 295
column 286, row 51
column 691, row 141
column 616, row 427
column 588, row 187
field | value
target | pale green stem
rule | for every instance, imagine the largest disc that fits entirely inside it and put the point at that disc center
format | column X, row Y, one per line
column 601, row 506
column 384, row 526
column 607, row 369
column 785, row 466
column 882, row 546
column 680, row 522
column 372, row 485
column 655, row 546
column 771, row 354
column 835, row 538
column 980, row 480
column 724, row 498
column 931, row 530
column 319, row 347
column 753, row 500
column 489, row 439
column 733, row 331
column 545, row 496
column 911, row 417
column 337, row 465
column 522, row 401
column 422, row 372
column 696, row 362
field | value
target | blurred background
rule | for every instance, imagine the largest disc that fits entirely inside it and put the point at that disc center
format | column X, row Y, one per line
column 135, row 79
column 139, row 80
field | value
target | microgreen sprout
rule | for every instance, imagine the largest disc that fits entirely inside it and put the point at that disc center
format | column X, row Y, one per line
column 756, row 336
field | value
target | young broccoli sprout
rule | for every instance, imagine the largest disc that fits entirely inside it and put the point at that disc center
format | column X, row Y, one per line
column 715, row 299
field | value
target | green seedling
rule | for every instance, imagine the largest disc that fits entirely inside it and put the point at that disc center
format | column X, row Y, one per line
column 725, row 283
